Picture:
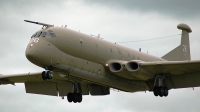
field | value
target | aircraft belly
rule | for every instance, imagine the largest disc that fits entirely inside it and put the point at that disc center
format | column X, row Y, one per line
column 97, row 74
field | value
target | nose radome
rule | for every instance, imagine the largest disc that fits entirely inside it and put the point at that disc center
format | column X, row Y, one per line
column 33, row 56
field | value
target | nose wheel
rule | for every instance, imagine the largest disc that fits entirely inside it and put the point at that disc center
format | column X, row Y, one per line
column 159, row 89
column 47, row 75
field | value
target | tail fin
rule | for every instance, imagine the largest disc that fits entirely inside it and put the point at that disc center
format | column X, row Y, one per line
column 182, row 52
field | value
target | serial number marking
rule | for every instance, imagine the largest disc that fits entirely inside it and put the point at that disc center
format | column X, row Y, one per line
column 35, row 40
column 185, row 50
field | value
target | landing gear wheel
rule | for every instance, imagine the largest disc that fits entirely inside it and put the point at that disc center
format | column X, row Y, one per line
column 49, row 75
column 159, row 87
column 44, row 75
column 166, row 91
column 75, row 97
column 79, row 97
column 161, row 91
column 155, row 91
column 70, row 97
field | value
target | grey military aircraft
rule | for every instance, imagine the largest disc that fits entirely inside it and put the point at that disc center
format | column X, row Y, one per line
column 77, row 64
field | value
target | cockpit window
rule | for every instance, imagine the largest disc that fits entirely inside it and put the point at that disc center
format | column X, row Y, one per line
column 50, row 31
column 44, row 34
column 52, row 35
column 39, row 33
column 34, row 35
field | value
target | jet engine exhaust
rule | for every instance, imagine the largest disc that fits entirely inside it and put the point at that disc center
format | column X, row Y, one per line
column 117, row 66
column 132, row 66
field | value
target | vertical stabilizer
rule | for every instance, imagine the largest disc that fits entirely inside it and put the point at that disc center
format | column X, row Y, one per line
column 182, row 52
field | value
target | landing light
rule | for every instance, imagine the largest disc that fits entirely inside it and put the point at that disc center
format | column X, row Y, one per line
column 106, row 64
column 31, row 45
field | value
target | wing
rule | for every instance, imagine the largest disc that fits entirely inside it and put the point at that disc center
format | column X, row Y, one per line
column 180, row 74
column 61, row 84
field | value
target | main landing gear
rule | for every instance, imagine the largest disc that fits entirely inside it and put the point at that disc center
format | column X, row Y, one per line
column 47, row 75
column 76, row 95
column 158, row 88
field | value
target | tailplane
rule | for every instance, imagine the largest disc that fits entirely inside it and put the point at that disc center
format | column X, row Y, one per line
column 182, row 52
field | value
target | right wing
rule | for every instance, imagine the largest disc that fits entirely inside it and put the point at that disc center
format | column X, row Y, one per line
column 180, row 74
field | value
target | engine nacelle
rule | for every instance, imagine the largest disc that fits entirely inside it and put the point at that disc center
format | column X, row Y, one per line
column 117, row 66
column 133, row 65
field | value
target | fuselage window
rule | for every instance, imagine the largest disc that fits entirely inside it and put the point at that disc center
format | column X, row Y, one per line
column 50, row 31
column 133, row 57
column 119, row 52
column 96, row 45
column 52, row 35
column 44, row 34
column 39, row 34
column 48, row 35
column 33, row 35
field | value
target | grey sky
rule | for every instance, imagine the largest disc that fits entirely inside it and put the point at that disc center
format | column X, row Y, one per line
column 182, row 9
column 116, row 21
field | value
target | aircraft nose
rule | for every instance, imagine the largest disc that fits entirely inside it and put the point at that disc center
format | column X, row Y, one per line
column 31, row 54
column 34, row 55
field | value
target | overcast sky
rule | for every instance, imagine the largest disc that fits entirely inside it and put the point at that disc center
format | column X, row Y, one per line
column 115, row 21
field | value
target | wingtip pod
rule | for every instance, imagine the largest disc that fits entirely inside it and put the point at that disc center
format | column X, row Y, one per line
column 185, row 27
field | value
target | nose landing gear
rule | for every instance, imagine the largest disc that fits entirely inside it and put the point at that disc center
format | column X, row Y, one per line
column 47, row 75
column 159, row 88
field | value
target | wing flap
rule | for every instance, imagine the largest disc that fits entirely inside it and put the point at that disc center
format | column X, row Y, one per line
column 186, row 80
column 45, row 88
column 99, row 90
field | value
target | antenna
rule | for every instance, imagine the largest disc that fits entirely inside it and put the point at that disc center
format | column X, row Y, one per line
column 47, row 25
